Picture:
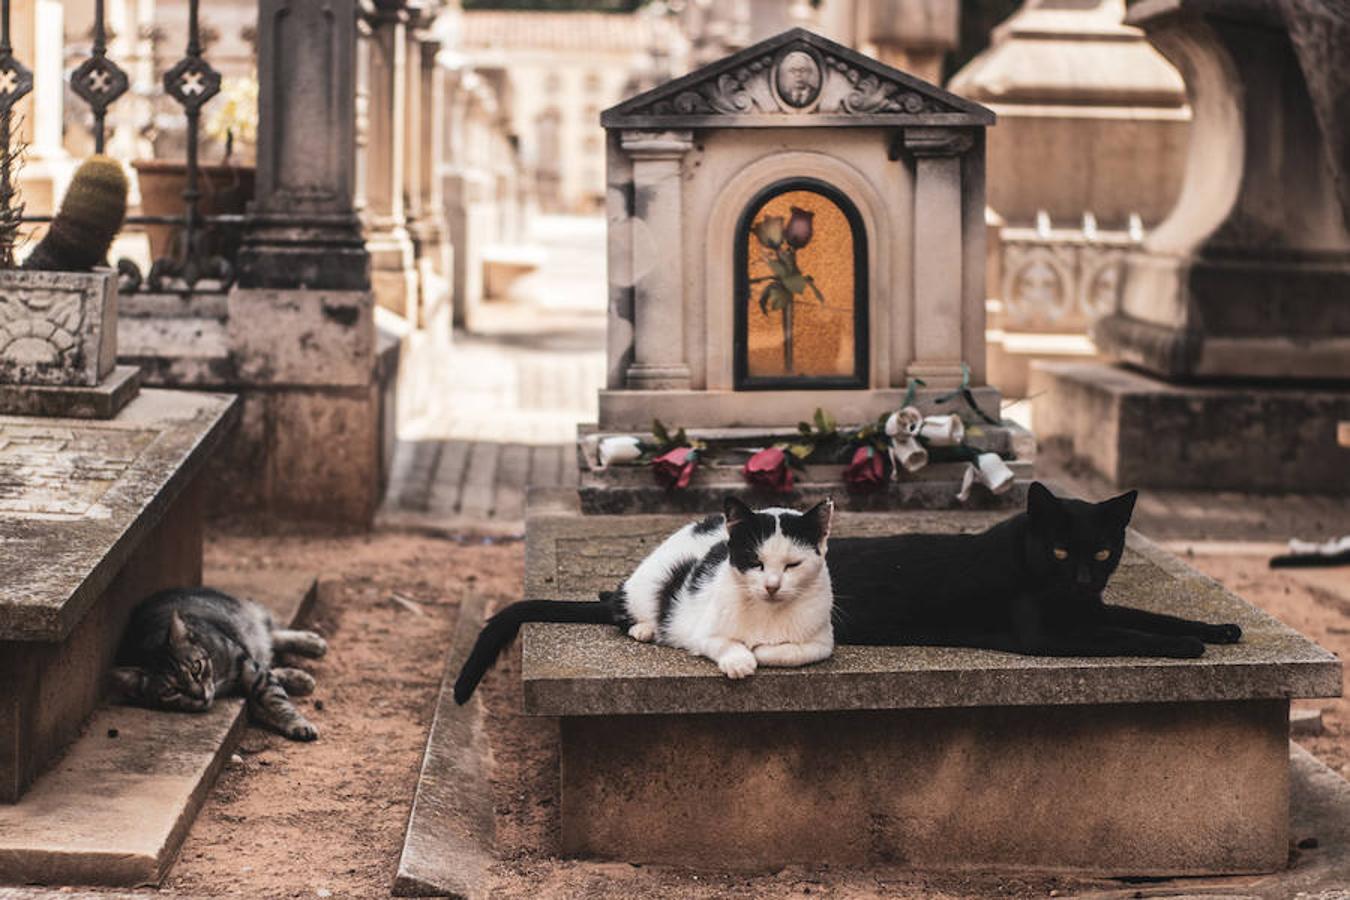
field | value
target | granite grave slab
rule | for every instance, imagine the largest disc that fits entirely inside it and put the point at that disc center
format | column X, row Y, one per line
column 943, row 757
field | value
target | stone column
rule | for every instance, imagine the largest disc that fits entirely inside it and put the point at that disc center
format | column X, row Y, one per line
column 393, row 277
column 659, row 361
column 36, row 30
column 302, row 230
column 938, row 286
column 428, row 226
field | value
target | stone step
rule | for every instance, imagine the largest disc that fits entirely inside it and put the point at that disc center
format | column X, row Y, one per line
column 117, row 806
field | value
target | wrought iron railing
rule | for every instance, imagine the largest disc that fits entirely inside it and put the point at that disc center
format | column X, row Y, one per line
column 195, row 261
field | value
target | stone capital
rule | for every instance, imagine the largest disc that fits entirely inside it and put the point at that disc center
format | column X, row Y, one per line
column 931, row 142
column 657, row 144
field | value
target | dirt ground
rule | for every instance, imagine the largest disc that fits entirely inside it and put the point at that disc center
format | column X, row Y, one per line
column 327, row 819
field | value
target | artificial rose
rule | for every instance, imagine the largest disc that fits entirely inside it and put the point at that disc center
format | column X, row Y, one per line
column 769, row 230
column 867, row 471
column 769, row 469
column 618, row 449
column 907, row 420
column 799, row 229
column 674, row 468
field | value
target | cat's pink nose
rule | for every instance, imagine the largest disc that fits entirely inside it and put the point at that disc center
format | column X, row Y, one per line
column 771, row 587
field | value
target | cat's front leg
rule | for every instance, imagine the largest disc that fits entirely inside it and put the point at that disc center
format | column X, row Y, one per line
column 268, row 704
column 732, row 657
column 794, row 654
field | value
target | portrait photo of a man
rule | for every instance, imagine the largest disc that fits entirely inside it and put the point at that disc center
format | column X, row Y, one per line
column 798, row 79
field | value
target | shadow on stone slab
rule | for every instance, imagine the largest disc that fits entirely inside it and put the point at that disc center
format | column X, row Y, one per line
column 447, row 850
column 116, row 808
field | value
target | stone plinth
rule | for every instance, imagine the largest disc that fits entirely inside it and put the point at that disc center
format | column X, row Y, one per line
column 101, row 401
column 934, row 757
column 1139, row 431
column 57, row 328
column 1247, row 277
column 93, row 517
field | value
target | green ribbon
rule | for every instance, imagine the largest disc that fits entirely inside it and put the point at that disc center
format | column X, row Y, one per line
column 964, row 392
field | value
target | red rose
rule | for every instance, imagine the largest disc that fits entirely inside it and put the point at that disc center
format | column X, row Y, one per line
column 769, row 469
column 674, row 468
column 867, row 471
column 799, row 230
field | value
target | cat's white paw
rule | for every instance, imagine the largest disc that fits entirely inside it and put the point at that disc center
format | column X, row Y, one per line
column 738, row 662
column 643, row 631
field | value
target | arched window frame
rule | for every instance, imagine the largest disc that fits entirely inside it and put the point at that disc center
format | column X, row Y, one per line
column 743, row 381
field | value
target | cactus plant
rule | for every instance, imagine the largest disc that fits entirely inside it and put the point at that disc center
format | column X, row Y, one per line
column 92, row 213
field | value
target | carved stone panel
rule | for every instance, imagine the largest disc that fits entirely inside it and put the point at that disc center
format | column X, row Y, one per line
column 802, row 76
column 57, row 328
column 1062, row 281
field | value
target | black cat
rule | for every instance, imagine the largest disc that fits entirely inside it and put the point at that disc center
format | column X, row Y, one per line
column 1032, row 584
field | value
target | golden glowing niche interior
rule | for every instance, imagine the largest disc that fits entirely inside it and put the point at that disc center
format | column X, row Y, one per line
column 822, row 341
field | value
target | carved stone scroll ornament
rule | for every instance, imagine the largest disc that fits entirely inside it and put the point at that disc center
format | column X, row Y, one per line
column 797, row 80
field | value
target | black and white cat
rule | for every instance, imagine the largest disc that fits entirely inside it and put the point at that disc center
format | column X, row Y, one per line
column 1031, row 584
column 745, row 589
column 184, row 647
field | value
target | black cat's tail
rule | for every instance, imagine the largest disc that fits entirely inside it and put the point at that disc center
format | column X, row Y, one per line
column 500, row 630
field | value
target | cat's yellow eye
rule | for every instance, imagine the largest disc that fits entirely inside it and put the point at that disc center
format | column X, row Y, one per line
column 1102, row 555
column 1061, row 553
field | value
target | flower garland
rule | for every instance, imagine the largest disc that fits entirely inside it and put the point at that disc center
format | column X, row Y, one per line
column 904, row 440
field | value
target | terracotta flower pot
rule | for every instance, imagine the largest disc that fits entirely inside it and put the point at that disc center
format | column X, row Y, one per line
column 225, row 189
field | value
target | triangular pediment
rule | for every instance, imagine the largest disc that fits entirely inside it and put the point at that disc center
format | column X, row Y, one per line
column 795, row 78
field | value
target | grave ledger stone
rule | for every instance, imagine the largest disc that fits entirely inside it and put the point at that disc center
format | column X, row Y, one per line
column 100, row 505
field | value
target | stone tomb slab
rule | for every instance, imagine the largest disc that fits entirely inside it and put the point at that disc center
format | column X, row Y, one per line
column 933, row 757
column 94, row 516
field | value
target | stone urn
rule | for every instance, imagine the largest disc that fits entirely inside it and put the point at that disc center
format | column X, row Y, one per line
column 57, row 328
column 225, row 188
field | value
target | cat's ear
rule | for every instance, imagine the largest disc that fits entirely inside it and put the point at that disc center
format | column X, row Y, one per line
column 820, row 517
column 128, row 681
column 736, row 512
column 178, row 630
column 1042, row 506
column 1119, row 509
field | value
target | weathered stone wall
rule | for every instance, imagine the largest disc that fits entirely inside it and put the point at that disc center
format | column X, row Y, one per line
column 316, row 383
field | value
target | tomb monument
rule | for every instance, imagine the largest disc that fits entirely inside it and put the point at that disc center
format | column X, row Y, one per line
column 792, row 228
column 1232, row 319
column 798, row 226
column 100, row 505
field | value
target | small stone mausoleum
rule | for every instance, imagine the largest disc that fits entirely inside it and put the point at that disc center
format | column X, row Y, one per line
column 792, row 220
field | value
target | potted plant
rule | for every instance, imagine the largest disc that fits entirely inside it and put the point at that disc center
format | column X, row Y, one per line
column 58, row 313
column 226, row 187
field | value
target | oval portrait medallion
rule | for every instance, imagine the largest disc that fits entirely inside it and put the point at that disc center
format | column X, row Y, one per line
column 797, row 77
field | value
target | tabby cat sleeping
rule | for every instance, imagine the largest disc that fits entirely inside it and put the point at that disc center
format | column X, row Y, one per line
column 1031, row 584
column 184, row 647
column 748, row 588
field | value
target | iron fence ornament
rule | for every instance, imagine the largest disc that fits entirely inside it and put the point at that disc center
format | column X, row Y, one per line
column 99, row 81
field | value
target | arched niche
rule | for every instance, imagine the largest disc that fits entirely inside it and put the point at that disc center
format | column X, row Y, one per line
column 801, row 316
